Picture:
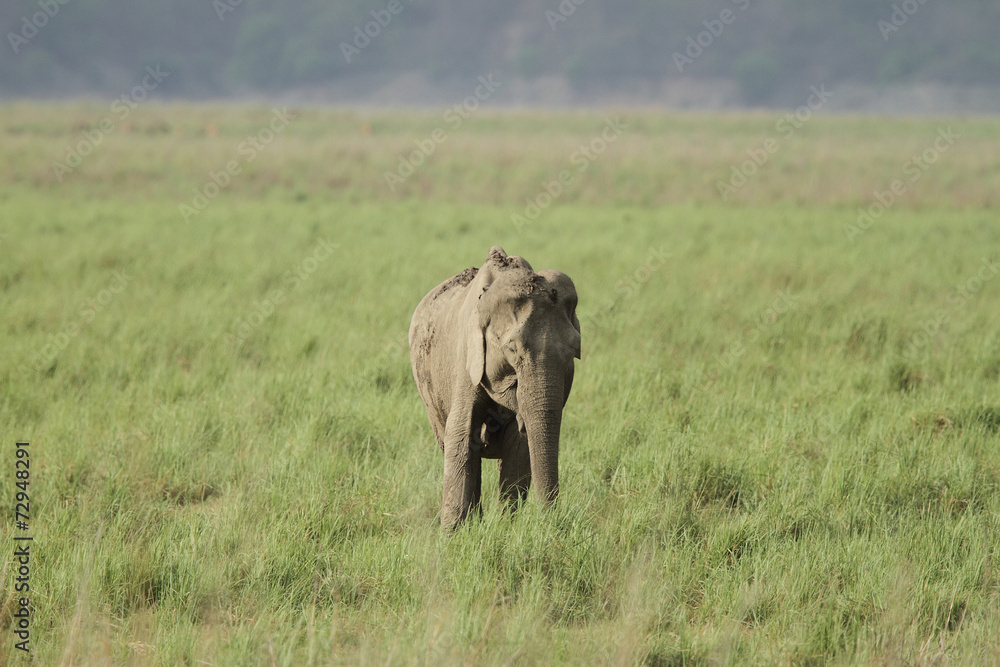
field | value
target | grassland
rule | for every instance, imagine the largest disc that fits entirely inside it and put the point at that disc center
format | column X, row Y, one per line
column 781, row 447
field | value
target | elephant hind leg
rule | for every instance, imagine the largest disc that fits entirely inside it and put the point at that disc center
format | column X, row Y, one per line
column 515, row 467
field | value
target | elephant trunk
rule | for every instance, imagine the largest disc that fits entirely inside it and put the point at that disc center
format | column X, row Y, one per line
column 541, row 403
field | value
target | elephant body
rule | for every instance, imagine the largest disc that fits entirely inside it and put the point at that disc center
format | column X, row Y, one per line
column 492, row 354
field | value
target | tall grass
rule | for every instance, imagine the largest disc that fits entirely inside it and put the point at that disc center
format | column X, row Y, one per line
column 502, row 158
column 769, row 454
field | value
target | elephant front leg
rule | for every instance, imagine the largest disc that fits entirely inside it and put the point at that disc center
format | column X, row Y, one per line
column 462, row 485
column 462, row 476
column 515, row 467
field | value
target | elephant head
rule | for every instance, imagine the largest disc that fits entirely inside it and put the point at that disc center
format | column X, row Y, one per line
column 521, row 337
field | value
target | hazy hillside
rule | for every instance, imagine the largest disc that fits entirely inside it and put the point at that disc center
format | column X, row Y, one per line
column 766, row 51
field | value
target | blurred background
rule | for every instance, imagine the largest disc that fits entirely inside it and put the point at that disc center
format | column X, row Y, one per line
column 910, row 56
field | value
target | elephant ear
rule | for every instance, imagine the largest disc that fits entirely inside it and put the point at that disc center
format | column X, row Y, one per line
column 477, row 319
column 475, row 348
column 576, row 325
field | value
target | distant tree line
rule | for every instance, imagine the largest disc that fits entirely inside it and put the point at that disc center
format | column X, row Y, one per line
column 221, row 47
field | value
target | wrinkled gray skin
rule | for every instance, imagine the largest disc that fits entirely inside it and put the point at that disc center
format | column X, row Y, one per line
column 492, row 352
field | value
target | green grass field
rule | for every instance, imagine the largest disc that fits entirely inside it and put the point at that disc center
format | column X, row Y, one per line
column 782, row 447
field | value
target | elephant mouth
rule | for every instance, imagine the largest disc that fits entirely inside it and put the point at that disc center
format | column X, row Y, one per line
column 493, row 424
column 488, row 438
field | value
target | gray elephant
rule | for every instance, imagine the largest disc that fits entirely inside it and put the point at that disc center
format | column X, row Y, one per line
column 492, row 353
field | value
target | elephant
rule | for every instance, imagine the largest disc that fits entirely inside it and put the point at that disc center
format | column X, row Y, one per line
column 492, row 352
